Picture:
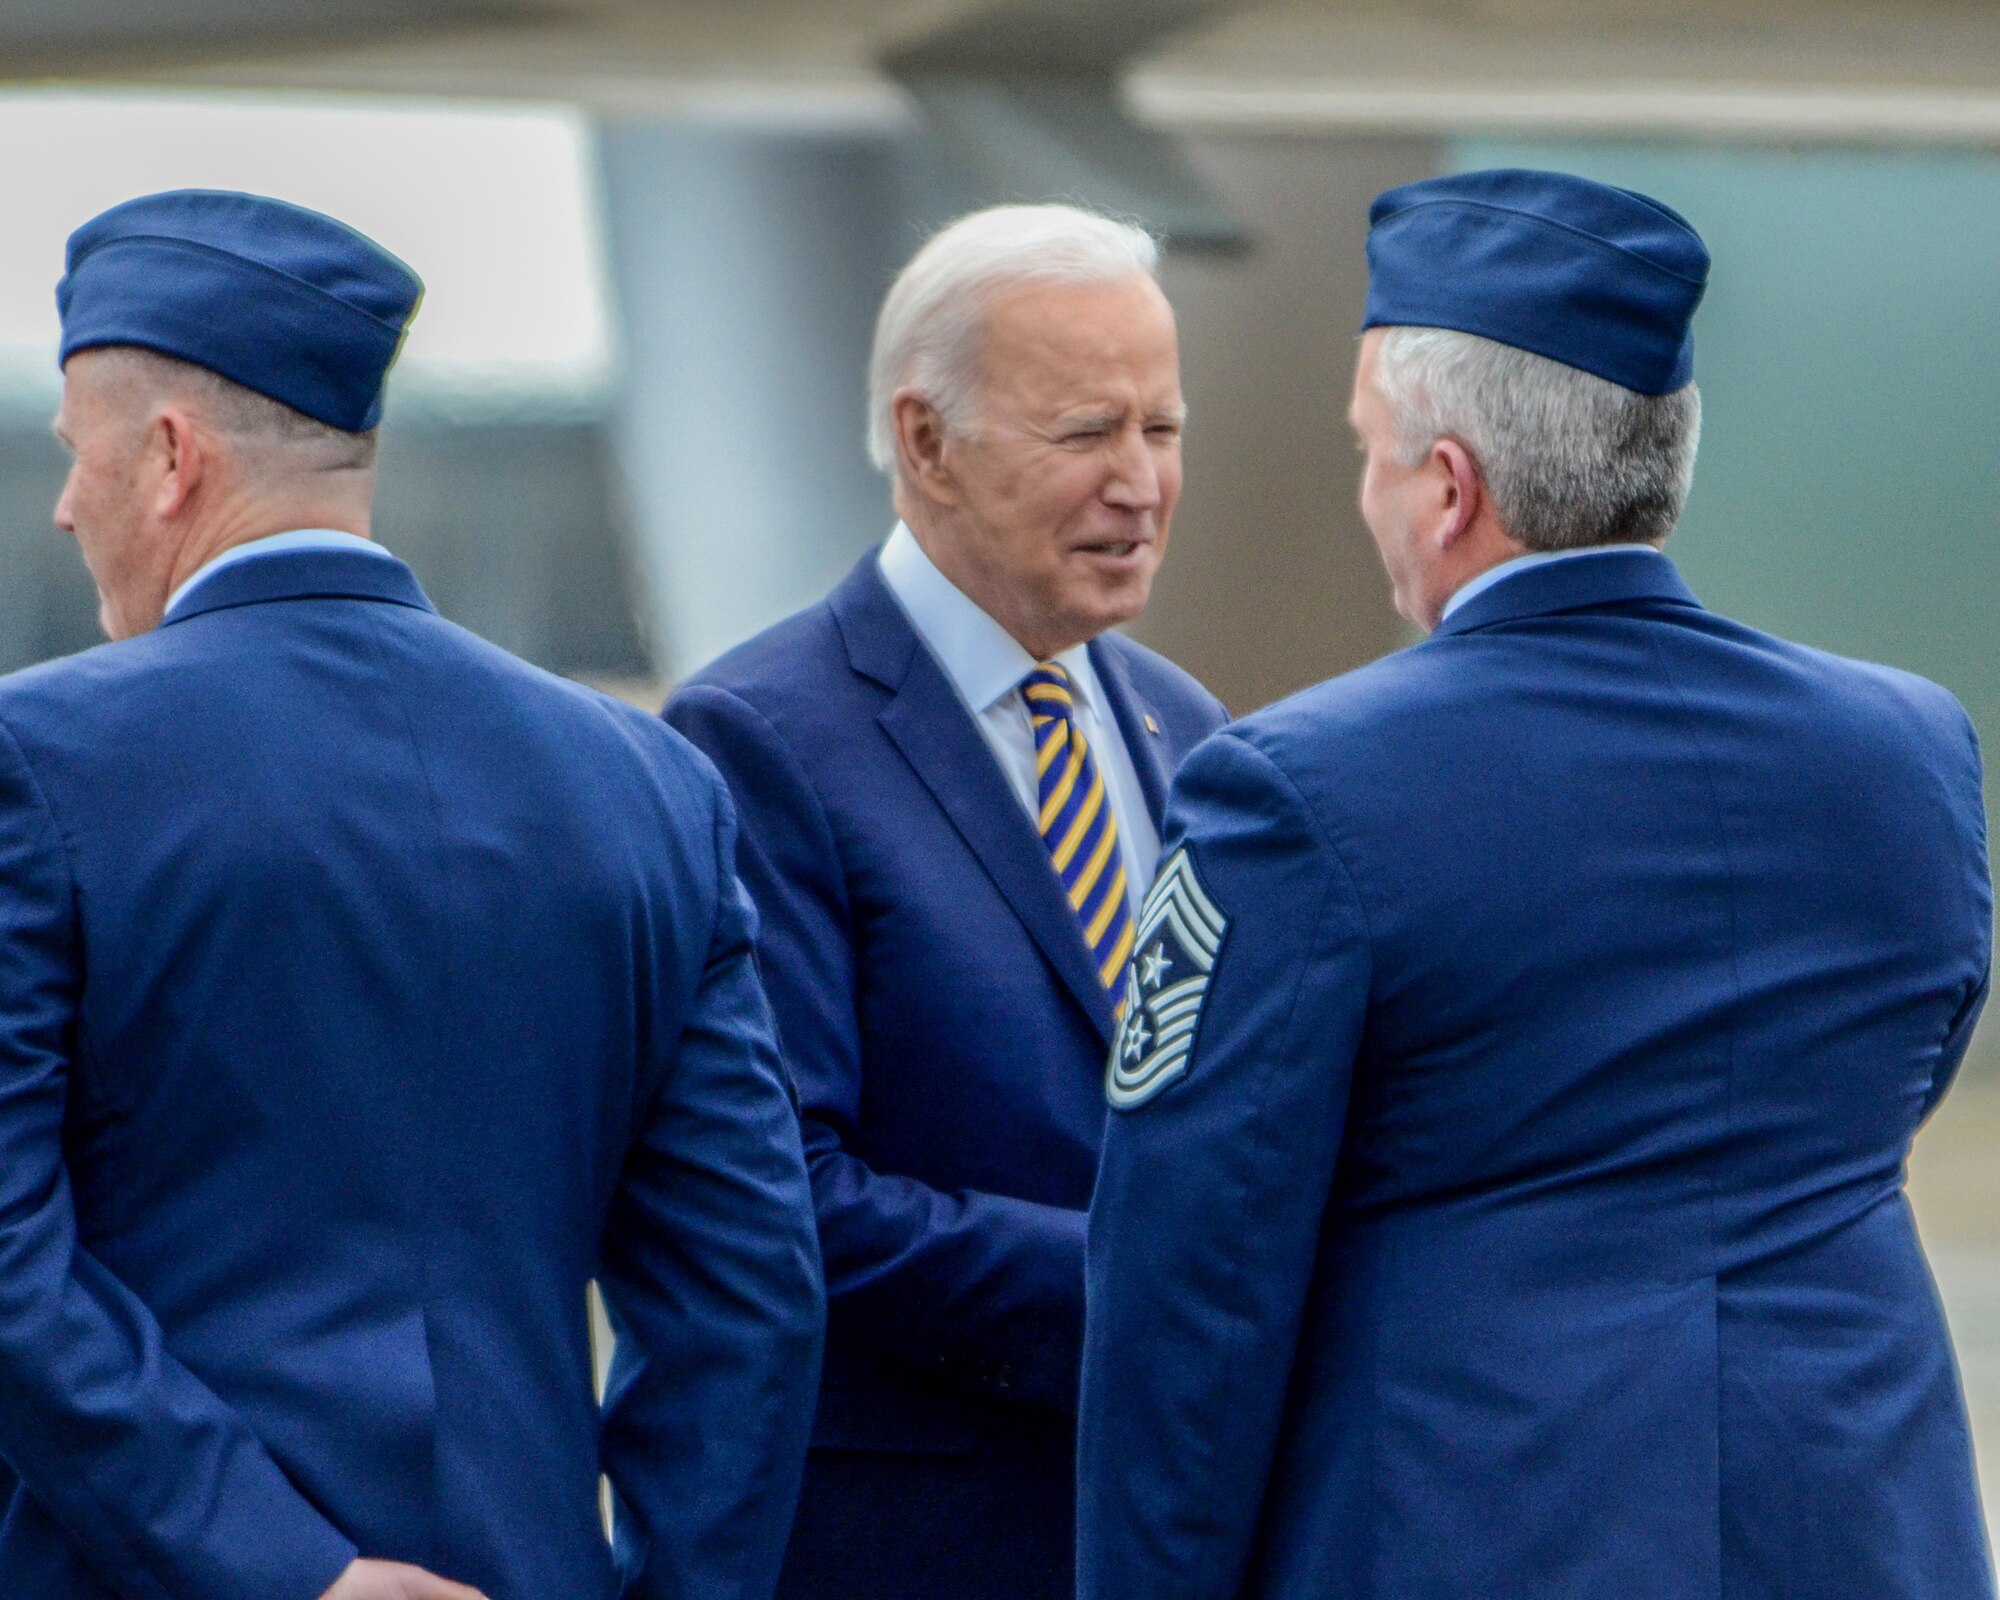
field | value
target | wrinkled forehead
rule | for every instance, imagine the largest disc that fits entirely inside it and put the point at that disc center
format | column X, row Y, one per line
column 1075, row 343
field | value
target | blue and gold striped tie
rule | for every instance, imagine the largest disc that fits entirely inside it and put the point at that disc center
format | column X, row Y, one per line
column 1077, row 823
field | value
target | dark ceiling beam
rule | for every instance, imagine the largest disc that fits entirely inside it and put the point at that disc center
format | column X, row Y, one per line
column 1027, row 101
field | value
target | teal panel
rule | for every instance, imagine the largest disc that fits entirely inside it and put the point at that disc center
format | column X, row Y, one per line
column 1848, row 353
column 1849, row 360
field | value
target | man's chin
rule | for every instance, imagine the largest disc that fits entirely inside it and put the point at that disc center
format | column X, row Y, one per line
column 1115, row 605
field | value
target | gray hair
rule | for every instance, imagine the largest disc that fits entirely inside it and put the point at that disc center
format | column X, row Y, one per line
column 1571, row 459
column 265, row 426
column 927, row 336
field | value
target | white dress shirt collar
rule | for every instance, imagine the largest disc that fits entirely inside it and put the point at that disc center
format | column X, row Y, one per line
column 1534, row 558
column 275, row 544
column 983, row 660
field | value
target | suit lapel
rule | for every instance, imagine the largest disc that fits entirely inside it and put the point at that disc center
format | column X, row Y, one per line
column 930, row 726
column 1143, row 740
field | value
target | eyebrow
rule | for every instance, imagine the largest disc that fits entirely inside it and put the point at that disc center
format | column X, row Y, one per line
column 1103, row 419
column 1087, row 419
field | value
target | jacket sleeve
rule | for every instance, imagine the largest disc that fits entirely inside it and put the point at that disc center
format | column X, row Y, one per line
column 1971, row 806
column 981, row 1290
column 161, row 1486
column 1214, row 1178
column 711, row 1278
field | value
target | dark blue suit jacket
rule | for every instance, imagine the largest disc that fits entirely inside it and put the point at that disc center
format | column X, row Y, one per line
column 1529, row 1217
column 939, row 1009
column 363, row 993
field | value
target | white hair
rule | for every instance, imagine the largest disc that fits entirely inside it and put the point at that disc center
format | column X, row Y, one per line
column 1571, row 459
column 927, row 337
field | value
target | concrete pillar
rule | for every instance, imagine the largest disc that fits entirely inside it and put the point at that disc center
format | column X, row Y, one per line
column 747, row 266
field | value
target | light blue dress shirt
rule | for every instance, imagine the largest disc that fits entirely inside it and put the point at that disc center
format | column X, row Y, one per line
column 986, row 664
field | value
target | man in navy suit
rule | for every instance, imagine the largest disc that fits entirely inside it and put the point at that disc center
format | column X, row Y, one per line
column 951, row 777
column 1505, row 1191
column 364, row 993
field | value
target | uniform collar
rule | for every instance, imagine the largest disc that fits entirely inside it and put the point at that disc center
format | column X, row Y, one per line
column 1534, row 558
column 982, row 659
column 306, row 573
column 272, row 544
column 1611, row 577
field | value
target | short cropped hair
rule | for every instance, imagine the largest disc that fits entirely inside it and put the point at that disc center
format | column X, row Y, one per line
column 928, row 334
column 246, row 416
column 1571, row 459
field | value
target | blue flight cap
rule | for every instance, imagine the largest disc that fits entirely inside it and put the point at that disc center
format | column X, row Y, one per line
column 269, row 295
column 1594, row 277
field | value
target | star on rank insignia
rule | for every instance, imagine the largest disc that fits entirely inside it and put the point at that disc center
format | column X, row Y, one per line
column 1180, row 931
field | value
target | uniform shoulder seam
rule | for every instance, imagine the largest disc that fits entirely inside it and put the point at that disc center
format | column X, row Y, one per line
column 1313, row 819
column 800, row 773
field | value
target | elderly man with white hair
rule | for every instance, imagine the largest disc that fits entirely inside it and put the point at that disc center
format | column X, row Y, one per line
column 951, row 778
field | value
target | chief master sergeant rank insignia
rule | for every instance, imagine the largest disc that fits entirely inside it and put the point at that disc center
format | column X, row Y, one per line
column 1180, row 931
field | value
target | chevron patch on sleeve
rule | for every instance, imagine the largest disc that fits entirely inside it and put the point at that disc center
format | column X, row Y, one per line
column 1180, row 933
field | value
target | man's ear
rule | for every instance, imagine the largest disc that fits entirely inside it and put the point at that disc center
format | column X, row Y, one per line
column 1464, row 489
column 182, row 454
column 920, row 447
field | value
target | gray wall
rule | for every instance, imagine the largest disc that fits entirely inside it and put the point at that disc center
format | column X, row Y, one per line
column 509, row 524
column 515, row 531
column 1272, row 582
column 47, row 606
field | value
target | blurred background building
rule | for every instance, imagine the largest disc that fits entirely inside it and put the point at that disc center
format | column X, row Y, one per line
column 627, row 431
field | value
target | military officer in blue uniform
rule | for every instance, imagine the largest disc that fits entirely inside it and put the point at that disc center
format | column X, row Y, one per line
column 364, row 992
column 951, row 776
column 1504, row 1189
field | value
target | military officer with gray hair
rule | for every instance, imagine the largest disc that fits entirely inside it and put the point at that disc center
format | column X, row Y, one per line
column 1504, row 1191
column 951, row 775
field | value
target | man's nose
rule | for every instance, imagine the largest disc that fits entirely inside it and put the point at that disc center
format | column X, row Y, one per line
column 62, row 510
column 1135, row 481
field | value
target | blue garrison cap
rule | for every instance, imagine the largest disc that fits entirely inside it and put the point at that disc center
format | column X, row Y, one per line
column 272, row 296
column 1594, row 277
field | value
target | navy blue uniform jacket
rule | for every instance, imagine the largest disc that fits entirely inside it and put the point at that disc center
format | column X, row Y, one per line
column 363, row 993
column 1529, row 1217
column 939, row 1009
